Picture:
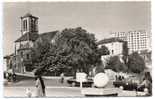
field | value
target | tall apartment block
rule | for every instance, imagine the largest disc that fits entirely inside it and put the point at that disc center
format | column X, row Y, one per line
column 137, row 40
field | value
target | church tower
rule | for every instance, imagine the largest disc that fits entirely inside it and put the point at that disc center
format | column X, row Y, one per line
column 24, row 44
column 29, row 24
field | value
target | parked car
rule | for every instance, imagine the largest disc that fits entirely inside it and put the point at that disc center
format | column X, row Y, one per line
column 125, row 85
column 72, row 82
column 128, row 85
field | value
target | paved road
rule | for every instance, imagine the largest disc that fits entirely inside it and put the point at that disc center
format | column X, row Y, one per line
column 50, row 92
column 56, row 92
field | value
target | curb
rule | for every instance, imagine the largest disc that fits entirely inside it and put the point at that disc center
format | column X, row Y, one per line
column 45, row 77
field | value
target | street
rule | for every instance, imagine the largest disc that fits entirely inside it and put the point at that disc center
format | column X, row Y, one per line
column 50, row 92
column 53, row 89
column 57, row 92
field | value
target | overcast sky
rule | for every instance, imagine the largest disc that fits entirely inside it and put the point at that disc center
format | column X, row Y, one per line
column 99, row 18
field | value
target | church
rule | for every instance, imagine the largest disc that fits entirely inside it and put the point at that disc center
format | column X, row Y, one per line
column 22, row 61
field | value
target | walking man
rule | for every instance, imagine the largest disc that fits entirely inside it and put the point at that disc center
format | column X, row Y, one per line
column 62, row 77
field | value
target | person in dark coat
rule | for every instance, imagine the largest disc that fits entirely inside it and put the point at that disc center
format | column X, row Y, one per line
column 146, row 83
column 14, row 77
column 43, row 85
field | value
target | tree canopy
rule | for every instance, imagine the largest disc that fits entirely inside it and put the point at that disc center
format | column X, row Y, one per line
column 116, row 65
column 135, row 63
column 77, row 48
column 103, row 50
column 73, row 49
column 38, row 52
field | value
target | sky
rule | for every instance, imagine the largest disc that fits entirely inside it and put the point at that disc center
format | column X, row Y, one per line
column 100, row 18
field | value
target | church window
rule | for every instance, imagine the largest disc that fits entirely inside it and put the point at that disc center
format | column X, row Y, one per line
column 33, row 27
column 25, row 25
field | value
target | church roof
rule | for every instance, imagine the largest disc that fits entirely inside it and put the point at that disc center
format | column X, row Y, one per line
column 109, row 40
column 34, row 36
column 28, row 36
column 48, row 35
column 29, row 15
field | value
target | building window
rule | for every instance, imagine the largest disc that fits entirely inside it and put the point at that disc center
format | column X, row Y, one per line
column 112, row 51
column 25, row 25
column 33, row 24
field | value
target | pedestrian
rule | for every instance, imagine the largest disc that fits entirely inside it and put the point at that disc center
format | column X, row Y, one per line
column 116, row 77
column 9, row 77
column 120, row 78
column 4, row 75
column 14, row 77
column 40, row 87
column 62, row 77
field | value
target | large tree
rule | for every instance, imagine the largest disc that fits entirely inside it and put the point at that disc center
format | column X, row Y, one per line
column 136, row 63
column 73, row 49
column 77, row 48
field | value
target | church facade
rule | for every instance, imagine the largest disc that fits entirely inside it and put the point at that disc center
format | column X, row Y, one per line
column 24, row 44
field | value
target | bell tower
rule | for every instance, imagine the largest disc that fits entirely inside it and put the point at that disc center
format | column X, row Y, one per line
column 29, row 24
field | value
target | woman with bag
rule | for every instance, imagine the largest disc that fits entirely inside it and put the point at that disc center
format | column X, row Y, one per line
column 40, row 87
